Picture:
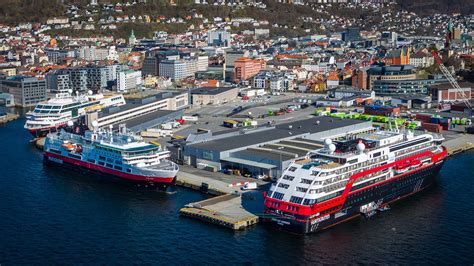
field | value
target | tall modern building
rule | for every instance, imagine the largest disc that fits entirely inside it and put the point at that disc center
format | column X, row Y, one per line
column 173, row 69
column 151, row 66
column 26, row 91
column 57, row 81
column 80, row 79
column 151, row 63
column 218, row 38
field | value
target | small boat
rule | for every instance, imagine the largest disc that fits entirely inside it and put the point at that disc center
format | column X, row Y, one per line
column 384, row 208
column 68, row 146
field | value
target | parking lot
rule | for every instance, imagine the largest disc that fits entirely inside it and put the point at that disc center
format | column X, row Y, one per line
column 212, row 117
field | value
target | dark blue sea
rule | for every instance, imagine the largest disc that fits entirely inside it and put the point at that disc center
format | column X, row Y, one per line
column 52, row 216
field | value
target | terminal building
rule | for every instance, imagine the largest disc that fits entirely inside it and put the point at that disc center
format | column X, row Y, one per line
column 265, row 150
column 142, row 113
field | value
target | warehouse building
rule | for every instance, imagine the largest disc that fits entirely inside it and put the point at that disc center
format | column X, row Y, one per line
column 265, row 150
column 213, row 95
column 142, row 113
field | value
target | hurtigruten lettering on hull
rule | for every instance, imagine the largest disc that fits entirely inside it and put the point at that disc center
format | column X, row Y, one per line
column 351, row 177
column 121, row 155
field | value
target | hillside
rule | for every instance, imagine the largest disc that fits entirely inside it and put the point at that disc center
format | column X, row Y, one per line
column 427, row 7
column 16, row 11
column 13, row 12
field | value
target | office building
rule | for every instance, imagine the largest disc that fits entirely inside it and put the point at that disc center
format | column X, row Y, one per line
column 394, row 72
column 26, row 91
column 246, row 68
column 128, row 80
column 173, row 69
column 218, row 38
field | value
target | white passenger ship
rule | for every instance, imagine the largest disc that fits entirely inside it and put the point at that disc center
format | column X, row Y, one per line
column 53, row 114
column 351, row 177
column 123, row 156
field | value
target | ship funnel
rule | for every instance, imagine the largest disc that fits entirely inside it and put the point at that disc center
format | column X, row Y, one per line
column 123, row 129
column 360, row 147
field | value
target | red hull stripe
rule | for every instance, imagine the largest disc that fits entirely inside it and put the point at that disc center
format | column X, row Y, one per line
column 44, row 128
column 108, row 170
column 339, row 201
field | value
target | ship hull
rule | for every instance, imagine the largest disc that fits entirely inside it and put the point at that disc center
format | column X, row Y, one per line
column 160, row 183
column 42, row 132
column 382, row 194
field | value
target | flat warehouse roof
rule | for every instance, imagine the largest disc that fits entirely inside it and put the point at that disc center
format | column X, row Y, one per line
column 295, row 129
column 264, row 154
column 248, row 162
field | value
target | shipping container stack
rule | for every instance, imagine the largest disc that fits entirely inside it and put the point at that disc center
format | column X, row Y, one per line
column 382, row 110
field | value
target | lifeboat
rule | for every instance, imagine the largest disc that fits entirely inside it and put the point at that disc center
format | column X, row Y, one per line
column 402, row 168
column 68, row 146
column 415, row 164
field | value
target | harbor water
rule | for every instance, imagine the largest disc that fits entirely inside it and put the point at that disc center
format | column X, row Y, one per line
column 53, row 216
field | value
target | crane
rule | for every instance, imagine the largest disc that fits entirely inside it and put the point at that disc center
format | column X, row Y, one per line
column 451, row 79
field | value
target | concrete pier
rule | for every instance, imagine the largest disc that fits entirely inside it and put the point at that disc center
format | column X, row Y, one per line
column 461, row 143
column 9, row 117
column 225, row 210
column 209, row 182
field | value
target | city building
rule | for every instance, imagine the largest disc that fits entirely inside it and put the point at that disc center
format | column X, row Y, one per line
column 344, row 92
column 213, row 95
column 58, row 81
column 7, row 99
column 173, row 69
column 275, row 81
column 151, row 66
column 8, row 70
column 218, row 38
column 398, row 57
column 446, row 93
column 56, row 55
column 80, row 79
column 359, row 79
column 26, row 91
column 246, row 68
column 128, row 80
column 389, row 38
column 351, row 34
column 410, row 86
column 232, row 55
column 394, row 72
column 411, row 101
column 93, row 53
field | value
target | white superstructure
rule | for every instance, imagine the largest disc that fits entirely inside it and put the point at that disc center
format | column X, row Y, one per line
column 56, row 112
column 325, row 172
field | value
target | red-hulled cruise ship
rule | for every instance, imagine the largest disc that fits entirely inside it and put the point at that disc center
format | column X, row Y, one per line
column 123, row 156
column 352, row 177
